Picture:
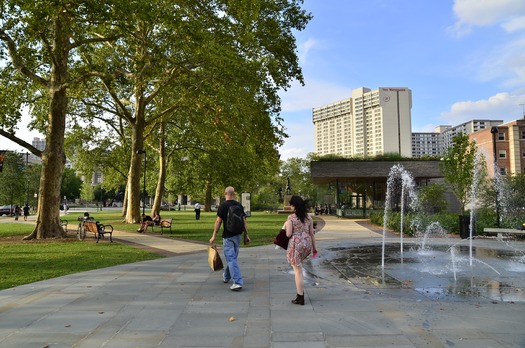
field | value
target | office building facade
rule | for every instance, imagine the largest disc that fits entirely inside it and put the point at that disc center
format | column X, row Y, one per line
column 367, row 124
column 508, row 141
column 435, row 144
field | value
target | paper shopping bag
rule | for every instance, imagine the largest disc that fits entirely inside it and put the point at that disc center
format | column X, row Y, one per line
column 214, row 260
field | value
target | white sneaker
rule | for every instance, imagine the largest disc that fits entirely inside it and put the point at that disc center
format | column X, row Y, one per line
column 235, row 287
column 224, row 279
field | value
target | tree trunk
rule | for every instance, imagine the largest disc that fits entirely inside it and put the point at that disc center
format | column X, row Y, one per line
column 159, row 191
column 133, row 191
column 53, row 158
column 209, row 188
column 125, row 201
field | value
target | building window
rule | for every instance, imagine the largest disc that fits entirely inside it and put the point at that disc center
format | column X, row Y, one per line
column 522, row 134
column 501, row 136
column 502, row 154
column 502, row 171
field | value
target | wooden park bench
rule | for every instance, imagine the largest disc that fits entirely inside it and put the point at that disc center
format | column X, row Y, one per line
column 501, row 231
column 165, row 223
column 97, row 228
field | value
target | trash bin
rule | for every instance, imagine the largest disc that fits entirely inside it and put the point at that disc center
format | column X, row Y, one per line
column 464, row 226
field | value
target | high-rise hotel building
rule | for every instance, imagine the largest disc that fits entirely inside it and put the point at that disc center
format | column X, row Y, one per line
column 367, row 124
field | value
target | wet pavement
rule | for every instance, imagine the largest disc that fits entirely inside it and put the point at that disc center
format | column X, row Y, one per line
column 351, row 301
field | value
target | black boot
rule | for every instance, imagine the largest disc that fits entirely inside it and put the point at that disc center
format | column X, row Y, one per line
column 299, row 300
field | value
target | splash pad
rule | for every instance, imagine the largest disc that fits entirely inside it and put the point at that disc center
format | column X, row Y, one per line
column 435, row 264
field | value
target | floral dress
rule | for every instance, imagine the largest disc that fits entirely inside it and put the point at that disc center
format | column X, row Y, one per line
column 300, row 244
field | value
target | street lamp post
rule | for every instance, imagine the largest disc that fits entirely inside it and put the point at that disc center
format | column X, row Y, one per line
column 494, row 131
column 139, row 152
column 27, row 183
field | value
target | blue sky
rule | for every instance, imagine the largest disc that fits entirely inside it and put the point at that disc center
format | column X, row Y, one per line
column 462, row 59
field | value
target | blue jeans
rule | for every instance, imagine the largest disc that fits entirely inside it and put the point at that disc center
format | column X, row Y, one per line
column 230, row 247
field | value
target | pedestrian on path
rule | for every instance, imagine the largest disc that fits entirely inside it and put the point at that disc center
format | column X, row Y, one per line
column 17, row 212
column 197, row 211
column 26, row 212
column 231, row 240
column 300, row 229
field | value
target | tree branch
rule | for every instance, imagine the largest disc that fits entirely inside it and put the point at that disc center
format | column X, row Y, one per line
column 94, row 40
column 21, row 142
column 17, row 61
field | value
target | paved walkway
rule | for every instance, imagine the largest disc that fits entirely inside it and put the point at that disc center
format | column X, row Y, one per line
column 179, row 302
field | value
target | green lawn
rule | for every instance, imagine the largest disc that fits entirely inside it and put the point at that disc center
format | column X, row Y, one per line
column 29, row 261
column 262, row 227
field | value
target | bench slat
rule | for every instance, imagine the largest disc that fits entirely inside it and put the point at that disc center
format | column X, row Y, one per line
column 502, row 230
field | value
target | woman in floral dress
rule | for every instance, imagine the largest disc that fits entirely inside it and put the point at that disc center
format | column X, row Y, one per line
column 300, row 229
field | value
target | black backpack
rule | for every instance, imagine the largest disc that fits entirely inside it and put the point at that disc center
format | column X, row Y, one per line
column 235, row 219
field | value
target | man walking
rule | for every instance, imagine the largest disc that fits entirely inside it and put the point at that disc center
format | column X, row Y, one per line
column 231, row 237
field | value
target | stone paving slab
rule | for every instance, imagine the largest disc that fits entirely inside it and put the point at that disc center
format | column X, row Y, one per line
column 179, row 302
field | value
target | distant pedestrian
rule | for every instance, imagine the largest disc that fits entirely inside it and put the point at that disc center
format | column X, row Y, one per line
column 300, row 229
column 17, row 212
column 197, row 211
column 26, row 212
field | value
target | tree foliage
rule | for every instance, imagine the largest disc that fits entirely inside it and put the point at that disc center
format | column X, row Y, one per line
column 463, row 169
column 431, row 198
column 116, row 71
column 298, row 171
column 71, row 184
column 42, row 46
column 12, row 179
column 512, row 200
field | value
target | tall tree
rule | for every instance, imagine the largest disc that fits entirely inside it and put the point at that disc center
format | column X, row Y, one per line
column 40, row 43
column 187, row 47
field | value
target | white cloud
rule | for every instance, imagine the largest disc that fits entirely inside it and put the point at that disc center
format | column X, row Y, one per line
column 502, row 106
column 301, row 138
column 515, row 24
column 504, row 60
column 504, row 63
column 510, row 14
column 427, row 128
column 305, row 48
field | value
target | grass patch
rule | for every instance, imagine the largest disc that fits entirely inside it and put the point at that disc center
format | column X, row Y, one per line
column 25, row 262
column 28, row 262
column 262, row 227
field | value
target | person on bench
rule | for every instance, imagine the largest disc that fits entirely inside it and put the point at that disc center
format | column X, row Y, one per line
column 146, row 221
column 156, row 219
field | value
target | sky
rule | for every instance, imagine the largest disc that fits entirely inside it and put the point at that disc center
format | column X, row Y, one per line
column 462, row 59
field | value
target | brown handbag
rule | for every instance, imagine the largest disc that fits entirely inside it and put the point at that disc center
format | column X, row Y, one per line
column 214, row 259
column 281, row 239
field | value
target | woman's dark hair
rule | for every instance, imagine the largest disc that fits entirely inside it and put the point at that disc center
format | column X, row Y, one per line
column 300, row 207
